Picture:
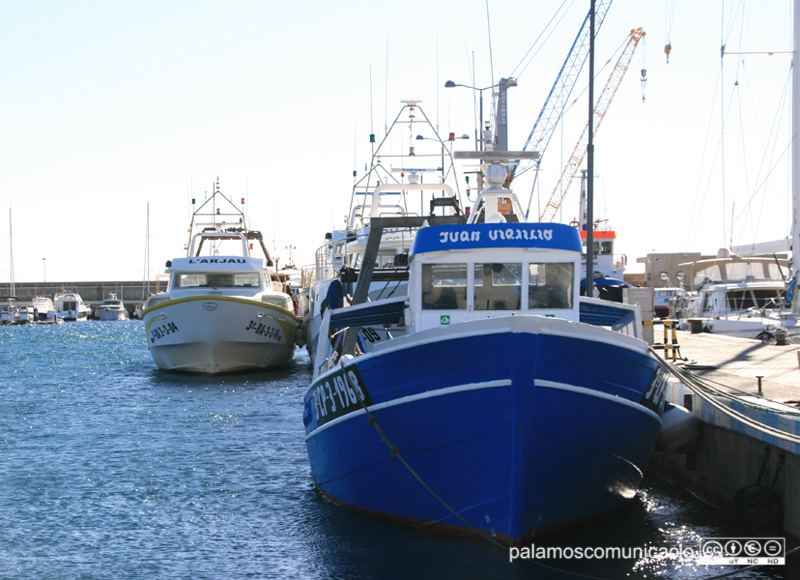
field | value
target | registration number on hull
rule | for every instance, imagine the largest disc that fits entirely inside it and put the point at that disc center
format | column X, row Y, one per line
column 262, row 329
column 339, row 394
column 162, row 331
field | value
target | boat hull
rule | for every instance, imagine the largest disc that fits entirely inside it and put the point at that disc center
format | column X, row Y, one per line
column 112, row 315
column 521, row 425
column 219, row 334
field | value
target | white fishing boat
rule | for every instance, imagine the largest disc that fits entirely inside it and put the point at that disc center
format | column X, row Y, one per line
column 71, row 307
column 220, row 312
column 112, row 308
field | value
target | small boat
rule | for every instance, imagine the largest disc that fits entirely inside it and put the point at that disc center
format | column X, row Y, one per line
column 9, row 310
column 71, row 307
column 112, row 308
column 221, row 312
column 502, row 403
column 43, row 308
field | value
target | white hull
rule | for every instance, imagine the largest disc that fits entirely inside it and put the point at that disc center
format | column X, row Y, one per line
column 103, row 314
column 219, row 334
column 745, row 327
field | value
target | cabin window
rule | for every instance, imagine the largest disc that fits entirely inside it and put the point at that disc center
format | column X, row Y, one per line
column 774, row 272
column 384, row 259
column 216, row 280
column 498, row 286
column 550, row 285
column 444, row 286
column 606, row 248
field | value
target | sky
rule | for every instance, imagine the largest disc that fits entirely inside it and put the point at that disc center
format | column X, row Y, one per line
column 111, row 108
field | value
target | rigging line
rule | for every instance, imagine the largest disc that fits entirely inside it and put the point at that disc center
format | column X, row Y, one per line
column 739, row 150
column 772, row 138
column 722, row 136
column 731, row 22
column 538, row 38
column 694, row 219
column 783, row 154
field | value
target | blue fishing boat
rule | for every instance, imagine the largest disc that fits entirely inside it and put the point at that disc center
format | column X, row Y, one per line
column 501, row 403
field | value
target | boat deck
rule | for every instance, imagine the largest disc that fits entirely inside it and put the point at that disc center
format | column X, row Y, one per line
column 737, row 362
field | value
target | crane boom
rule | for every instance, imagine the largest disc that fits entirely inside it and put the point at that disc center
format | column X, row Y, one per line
column 558, row 98
column 575, row 160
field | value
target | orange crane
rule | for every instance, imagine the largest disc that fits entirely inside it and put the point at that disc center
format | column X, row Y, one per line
column 572, row 168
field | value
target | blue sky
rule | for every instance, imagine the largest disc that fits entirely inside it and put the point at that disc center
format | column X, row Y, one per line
column 109, row 106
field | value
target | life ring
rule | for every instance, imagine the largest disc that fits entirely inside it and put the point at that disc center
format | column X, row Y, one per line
column 296, row 302
column 759, row 507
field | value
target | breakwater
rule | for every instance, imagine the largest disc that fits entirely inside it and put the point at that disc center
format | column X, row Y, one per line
column 93, row 293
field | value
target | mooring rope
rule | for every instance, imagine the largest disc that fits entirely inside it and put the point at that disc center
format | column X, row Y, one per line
column 705, row 391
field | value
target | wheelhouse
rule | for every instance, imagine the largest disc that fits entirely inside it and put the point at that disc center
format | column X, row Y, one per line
column 458, row 274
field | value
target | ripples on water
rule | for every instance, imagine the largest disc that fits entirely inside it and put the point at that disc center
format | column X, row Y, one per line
column 114, row 469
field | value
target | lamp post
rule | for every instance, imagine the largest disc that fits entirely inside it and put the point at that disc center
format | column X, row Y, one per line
column 502, row 109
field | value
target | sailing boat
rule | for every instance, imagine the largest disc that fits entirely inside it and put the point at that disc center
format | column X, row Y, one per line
column 749, row 295
column 8, row 304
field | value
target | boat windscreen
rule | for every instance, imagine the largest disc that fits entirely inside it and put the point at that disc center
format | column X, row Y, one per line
column 216, row 280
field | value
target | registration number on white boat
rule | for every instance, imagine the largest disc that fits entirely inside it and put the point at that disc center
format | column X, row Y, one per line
column 159, row 332
column 262, row 329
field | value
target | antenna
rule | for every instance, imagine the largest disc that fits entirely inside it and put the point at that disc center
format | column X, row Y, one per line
column 489, row 33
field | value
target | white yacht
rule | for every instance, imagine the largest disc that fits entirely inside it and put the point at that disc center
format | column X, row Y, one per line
column 112, row 308
column 70, row 307
column 738, row 296
column 43, row 308
column 220, row 312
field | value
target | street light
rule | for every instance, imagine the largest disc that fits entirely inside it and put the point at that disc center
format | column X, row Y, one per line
column 502, row 123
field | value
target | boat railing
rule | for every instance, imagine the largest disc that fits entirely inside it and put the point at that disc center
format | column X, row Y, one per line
column 328, row 262
column 198, row 240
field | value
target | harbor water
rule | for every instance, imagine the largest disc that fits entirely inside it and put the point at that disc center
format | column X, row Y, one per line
column 114, row 469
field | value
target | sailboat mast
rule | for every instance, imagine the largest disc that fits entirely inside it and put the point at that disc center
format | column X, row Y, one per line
column 11, row 252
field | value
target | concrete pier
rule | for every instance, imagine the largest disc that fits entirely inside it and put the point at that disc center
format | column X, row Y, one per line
column 93, row 293
column 748, row 473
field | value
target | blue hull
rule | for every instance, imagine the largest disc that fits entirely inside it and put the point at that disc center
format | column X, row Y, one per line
column 518, row 430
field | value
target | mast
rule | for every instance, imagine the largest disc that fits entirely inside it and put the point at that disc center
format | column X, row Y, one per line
column 11, row 252
column 795, row 155
column 590, row 168
column 795, row 145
